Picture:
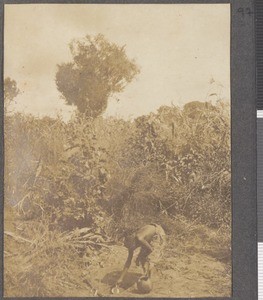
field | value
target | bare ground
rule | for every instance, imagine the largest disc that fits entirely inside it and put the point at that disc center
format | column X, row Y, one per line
column 182, row 275
column 196, row 263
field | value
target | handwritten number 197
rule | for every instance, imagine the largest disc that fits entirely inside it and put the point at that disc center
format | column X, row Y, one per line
column 245, row 11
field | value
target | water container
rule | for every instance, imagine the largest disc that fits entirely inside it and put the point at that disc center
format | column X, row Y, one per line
column 144, row 285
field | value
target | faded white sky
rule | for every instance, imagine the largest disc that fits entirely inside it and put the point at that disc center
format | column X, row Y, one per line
column 179, row 47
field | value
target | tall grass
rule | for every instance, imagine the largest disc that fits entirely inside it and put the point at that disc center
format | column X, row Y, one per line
column 73, row 187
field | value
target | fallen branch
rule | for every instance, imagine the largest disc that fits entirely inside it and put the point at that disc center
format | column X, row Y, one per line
column 17, row 237
column 93, row 243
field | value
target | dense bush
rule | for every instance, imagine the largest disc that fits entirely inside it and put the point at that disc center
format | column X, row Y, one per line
column 175, row 162
column 179, row 162
column 111, row 175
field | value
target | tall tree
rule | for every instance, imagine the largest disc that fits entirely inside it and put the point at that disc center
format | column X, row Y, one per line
column 98, row 69
column 10, row 90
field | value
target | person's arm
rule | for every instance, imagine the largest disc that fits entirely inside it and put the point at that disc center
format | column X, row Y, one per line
column 126, row 267
column 144, row 243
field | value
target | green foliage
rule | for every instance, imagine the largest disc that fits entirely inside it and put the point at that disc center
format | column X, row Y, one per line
column 98, row 70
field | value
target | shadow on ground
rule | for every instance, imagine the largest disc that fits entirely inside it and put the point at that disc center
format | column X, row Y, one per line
column 130, row 279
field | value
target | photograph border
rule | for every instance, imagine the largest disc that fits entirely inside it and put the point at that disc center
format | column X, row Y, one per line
column 243, row 141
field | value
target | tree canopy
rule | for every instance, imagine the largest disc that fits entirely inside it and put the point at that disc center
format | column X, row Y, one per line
column 98, row 69
column 10, row 90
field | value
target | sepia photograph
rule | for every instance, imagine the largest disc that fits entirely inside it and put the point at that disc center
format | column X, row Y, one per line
column 117, row 150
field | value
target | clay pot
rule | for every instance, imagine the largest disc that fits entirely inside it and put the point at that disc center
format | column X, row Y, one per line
column 144, row 285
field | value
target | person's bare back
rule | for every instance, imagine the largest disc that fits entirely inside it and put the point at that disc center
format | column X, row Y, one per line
column 141, row 238
column 146, row 232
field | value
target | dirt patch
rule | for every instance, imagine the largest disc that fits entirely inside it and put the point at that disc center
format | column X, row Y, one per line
column 196, row 263
column 183, row 275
